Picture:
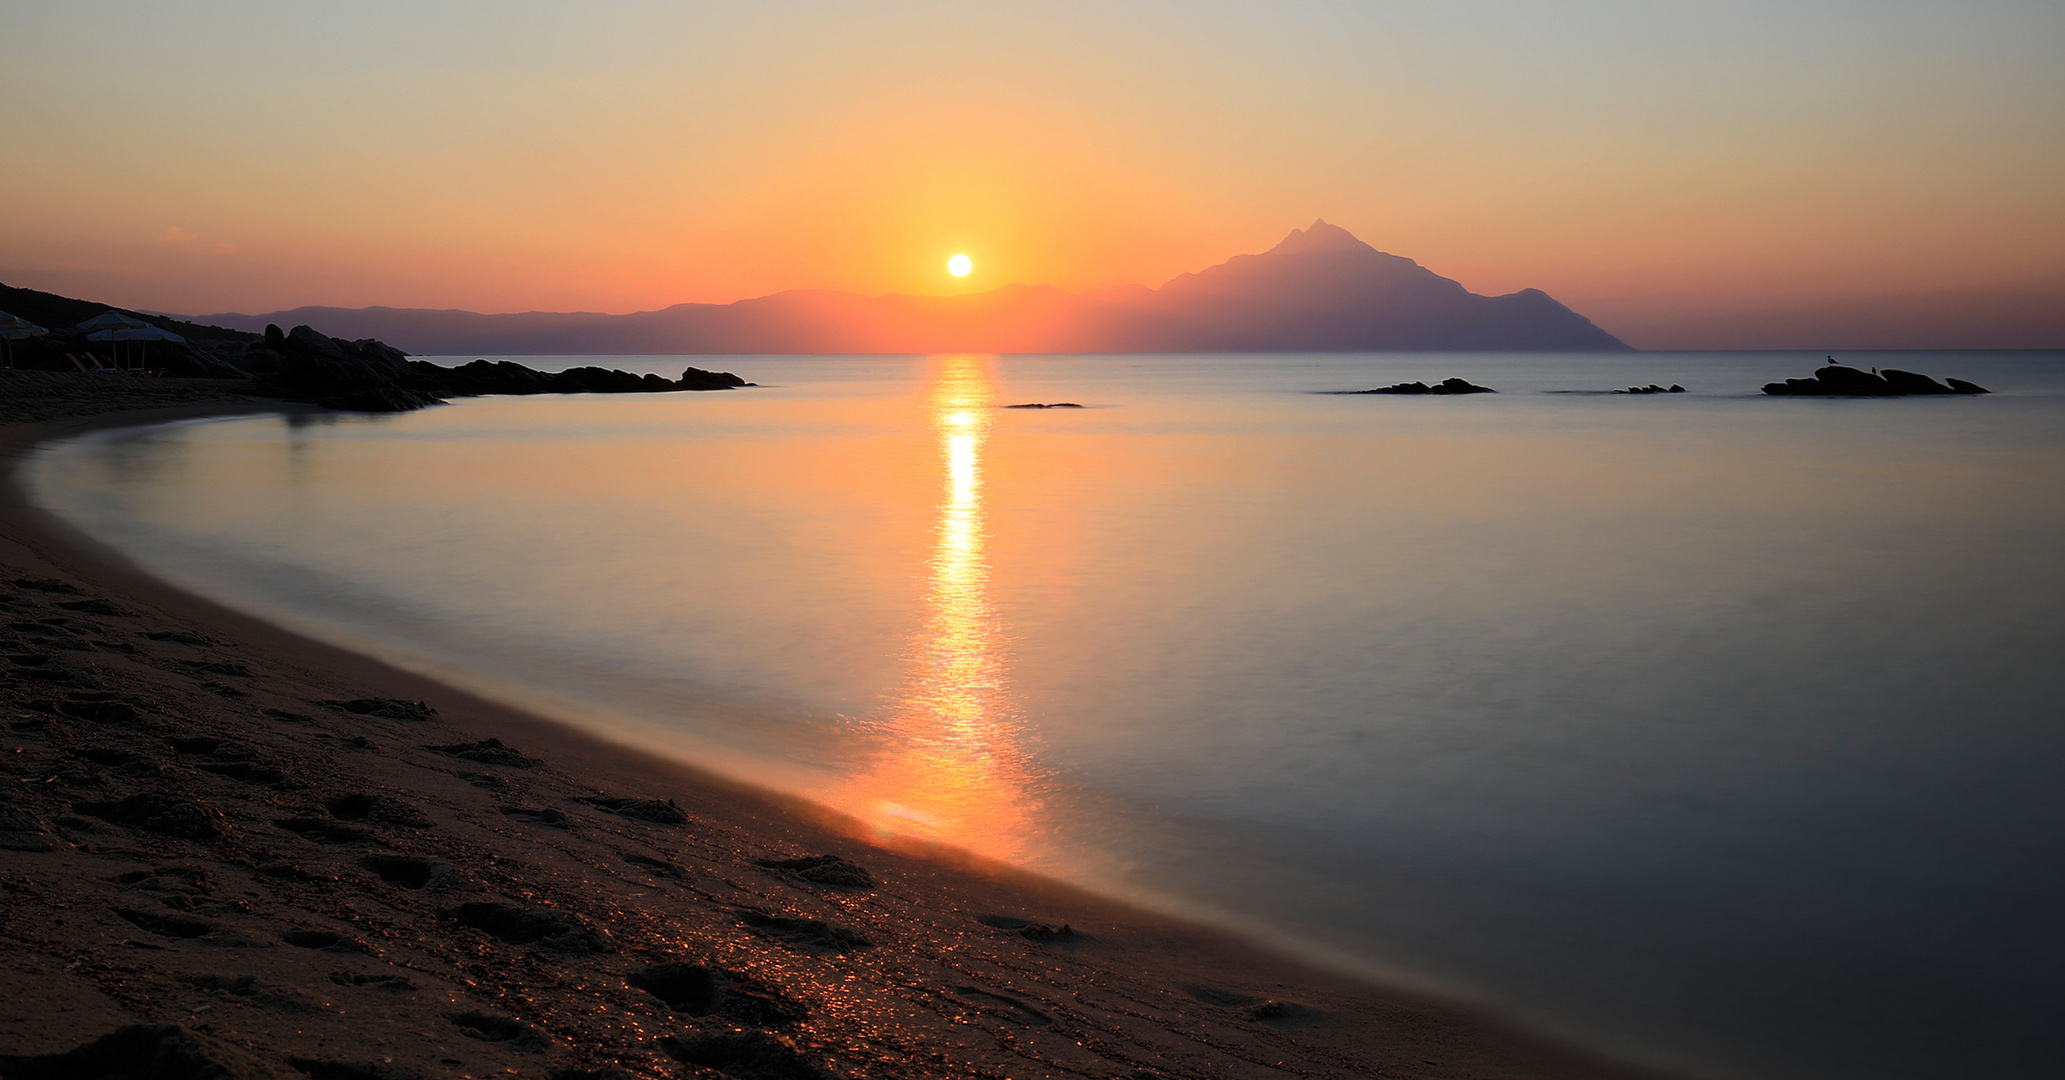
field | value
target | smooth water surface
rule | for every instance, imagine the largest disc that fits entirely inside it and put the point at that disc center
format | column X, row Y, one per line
column 1717, row 729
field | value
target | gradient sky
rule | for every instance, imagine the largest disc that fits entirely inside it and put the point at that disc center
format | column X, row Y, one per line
column 1670, row 169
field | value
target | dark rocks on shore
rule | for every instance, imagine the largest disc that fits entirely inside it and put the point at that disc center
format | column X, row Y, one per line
column 1652, row 388
column 1837, row 380
column 370, row 376
column 1445, row 386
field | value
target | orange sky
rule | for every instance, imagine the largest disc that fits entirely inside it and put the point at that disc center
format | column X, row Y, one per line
column 1660, row 168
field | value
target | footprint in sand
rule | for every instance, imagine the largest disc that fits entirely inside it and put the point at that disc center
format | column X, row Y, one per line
column 821, row 870
column 743, row 1054
column 117, row 1053
column 409, row 873
column 552, row 930
column 811, row 933
column 657, row 867
column 535, row 815
column 165, row 924
column 486, row 752
column 384, row 809
column 697, row 990
column 488, row 1027
column 1028, row 929
column 1010, row 1008
column 385, row 708
column 393, row 984
column 161, row 812
column 655, row 811
column 328, row 941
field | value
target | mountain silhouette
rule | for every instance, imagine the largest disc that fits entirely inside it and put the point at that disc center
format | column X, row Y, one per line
column 1320, row 290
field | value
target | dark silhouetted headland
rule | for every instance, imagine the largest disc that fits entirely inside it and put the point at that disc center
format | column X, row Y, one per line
column 1320, row 290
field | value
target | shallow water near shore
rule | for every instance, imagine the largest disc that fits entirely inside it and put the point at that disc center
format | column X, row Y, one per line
column 1710, row 728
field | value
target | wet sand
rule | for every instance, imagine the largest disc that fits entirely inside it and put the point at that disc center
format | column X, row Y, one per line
column 294, row 860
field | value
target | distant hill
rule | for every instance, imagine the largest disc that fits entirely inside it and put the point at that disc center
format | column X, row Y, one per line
column 1320, row 290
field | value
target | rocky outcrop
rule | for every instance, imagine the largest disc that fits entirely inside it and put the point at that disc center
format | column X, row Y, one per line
column 1838, row 380
column 1445, row 386
column 369, row 376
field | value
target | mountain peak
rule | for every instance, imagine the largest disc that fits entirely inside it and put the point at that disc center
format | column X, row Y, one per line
column 1319, row 237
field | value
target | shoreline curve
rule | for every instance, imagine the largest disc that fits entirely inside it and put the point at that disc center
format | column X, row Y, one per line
column 950, row 983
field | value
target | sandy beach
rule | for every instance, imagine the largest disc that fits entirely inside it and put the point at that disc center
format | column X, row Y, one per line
column 224, row 843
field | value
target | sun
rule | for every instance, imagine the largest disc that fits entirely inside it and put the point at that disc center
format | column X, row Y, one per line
column 960, row 265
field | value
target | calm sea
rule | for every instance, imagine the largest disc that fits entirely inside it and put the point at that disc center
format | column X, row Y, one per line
column 1719, row 730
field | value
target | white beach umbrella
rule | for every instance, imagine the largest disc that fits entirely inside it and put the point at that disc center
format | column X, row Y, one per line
column 113, row 320
column 15, row 328
column 140, row 333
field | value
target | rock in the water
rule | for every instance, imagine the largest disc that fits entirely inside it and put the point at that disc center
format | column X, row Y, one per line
column 1838, row 380
column 696, row 378
column 1908, row 382
column 1445, row 386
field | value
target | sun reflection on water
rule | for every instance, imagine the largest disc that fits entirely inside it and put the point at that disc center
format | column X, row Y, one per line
column 953, row 770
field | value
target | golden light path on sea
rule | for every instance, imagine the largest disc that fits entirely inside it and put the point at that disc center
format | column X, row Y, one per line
column 953, row 770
